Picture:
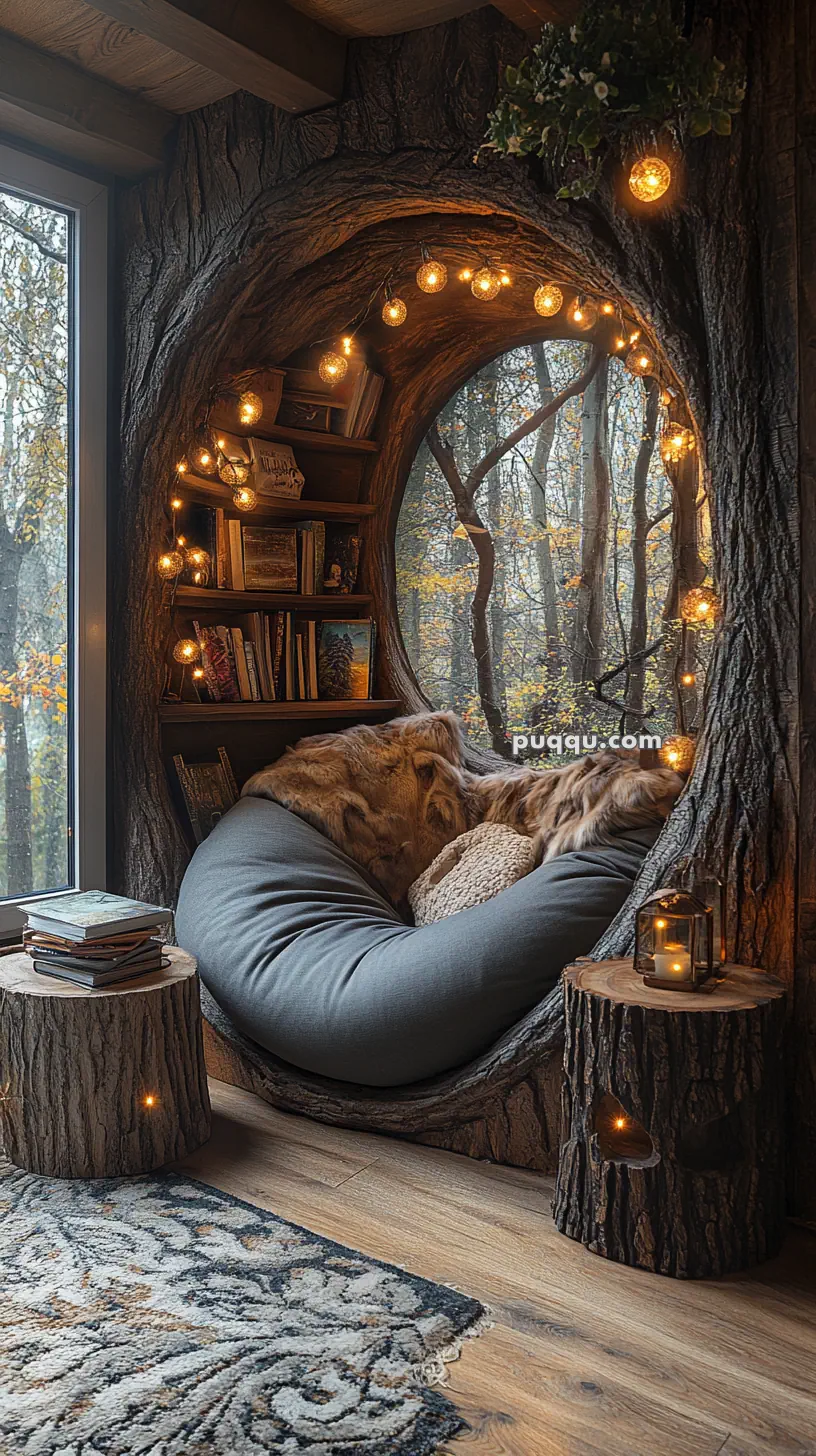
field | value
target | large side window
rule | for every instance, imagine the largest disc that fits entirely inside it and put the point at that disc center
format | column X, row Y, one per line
column 52, row 531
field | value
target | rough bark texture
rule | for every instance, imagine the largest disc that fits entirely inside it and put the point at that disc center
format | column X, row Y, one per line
column 78, row 1066
column 695, row 1188
column 641, row 526
column 267, row 231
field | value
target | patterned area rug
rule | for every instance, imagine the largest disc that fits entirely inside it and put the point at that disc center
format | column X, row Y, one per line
column 159, row 1316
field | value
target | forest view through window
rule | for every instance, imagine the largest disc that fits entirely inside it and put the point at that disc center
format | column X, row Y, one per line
column 35, row 325
column 594, row 538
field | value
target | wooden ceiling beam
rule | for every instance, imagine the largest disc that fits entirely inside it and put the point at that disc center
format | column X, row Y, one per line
column 56, row 105
column 530, row 15
column 262, row 46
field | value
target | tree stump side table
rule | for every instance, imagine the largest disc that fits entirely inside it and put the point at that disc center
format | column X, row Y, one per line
column 96, row 1084
column 672, row 1155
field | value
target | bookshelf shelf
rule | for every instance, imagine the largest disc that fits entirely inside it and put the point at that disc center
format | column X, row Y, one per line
column 234, row 712
column 212, row 493
column 306, row 439
column 211, row 599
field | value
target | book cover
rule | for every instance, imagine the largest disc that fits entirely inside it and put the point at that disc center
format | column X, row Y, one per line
column 225, row 666
column 218, row 673
column 313, row 532
column 209, row 790
column 275, row 470
column 277, row 663
column 91, row 913
column 271, row 558
column 345, row 659
column 342, row 560
column 236, row 561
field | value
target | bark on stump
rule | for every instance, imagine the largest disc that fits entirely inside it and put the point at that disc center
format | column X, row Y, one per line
column 95, row 1084
column 672, row 1158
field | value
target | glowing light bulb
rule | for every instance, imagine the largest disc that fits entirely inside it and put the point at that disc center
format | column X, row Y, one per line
column 677, row 442
column 505, row 279
column 169, row 564
column 688, row 679
column 639, row 363
column 607, row 308
column 332, row 368
column 233, row 472
column 395, row 312
column 347, row 343
column 466, row 275
column 547, row 299
column 222, row 444
column 486, row 283
column 181, row 540
column 649, row 179
column 584, row 314
column 244, row 498
column 660, row 924
column 198, row 672
column 620, row 344
column 182, row 466
column 634, row 336
column 205, row 461
column 176, row 503
column 150, row 1100
column 678, row 753
column 432, row 276
column 700, row 604
column 250, row 408
column 186, row 650
column 620, row 1122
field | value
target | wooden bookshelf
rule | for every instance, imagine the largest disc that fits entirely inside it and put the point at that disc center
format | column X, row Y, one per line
column 212, row 493
column 309, row 708
column 213, row 599
column 222, row 419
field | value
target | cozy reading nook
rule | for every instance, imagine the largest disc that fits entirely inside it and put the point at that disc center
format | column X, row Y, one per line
column 459, row 408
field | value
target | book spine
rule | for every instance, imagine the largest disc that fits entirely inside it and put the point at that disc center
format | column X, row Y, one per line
column 252, row 672
column 239, row 657
column 225, row 666
column 236, row 555
column 223, row 577
column 210, row 675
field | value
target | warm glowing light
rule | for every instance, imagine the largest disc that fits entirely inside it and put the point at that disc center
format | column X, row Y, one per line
column 639, row 363
column 678, row 753
column 666, row 397
column 660, row 924
column 505, row 280
column 620, row 1122
column 395, row 312
column 607, row 308
column 466, row 275
column 150, row 1100
column 176, row 503
column 547, row 299
column 347, row 343
column 688, row 679
column 649, row 179
column 620, row 343
column 244, row 498
column 169, row 564
column 634, row 336
column 182, row 466
column 432, row 276
column 250, row 408
column 233, row 472
column 198, row 672
column 332, row 368
column 221, row 444
column 205, row 461
column 186, row 650
column 486, row 283
column 700, row 604
column 678, row 441
column 584, row 313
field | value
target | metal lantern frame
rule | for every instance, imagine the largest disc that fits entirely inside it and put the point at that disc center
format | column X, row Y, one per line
column 677, row 906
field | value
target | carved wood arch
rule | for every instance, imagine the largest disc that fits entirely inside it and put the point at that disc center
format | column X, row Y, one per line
column 227, row 260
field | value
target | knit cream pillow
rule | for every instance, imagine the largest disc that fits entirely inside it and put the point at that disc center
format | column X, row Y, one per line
column 470, row 870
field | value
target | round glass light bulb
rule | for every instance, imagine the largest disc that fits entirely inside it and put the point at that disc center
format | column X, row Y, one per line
column 466, row 275
column 205, row 461
column 196, row 556
column 486, row 283
column 701, row 604
column 250, row 408
column 169, row 564
column 607, row 308
column 678, row 441
column 233, row 472
column 620, row 344
column 432, row 276
column 583, row 314
column 505, row 279
column 677, row 753
column 332, row 367
column 198, row 673
column 688, row 679
column 186, row 650
column 244, row 498
column 639, row 362
column 395, row 312
column 547, row 299
column 649, row 179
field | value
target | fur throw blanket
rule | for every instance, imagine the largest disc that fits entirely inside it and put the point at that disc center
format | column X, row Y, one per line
column 393, row 796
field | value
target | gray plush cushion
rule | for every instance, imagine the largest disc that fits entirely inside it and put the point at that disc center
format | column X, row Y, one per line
column 306, row 957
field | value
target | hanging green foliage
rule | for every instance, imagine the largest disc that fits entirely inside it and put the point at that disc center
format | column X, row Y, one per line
column 619, row 77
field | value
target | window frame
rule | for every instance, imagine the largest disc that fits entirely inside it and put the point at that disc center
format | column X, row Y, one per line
column 88, row 202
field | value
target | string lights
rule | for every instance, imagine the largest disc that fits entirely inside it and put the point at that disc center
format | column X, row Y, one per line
column 639, row 362
column 186, row 650
column 700, row 605
column 677, row 442
column 583, row 313
column 170, row 564
column 250, row 408
column 677, row 752
column 547, row 299
column 244, row 498
column 332, row 367
column 431, row 275
column 486, row 282
column 650, row 179
column 395, row 310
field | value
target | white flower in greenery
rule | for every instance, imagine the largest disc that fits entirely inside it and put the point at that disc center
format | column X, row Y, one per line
column 513, row 144
column 606, row 61
column 587, row 76
column 601, row 90
column 573, row 33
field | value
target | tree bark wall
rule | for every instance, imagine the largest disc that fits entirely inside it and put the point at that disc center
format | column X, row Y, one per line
column 267, row 231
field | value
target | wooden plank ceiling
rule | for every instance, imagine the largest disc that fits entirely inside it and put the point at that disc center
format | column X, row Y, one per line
column 102, row 83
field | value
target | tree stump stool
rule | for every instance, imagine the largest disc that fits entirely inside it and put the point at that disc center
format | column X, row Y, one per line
column 673, row 1133
column 94, row 1084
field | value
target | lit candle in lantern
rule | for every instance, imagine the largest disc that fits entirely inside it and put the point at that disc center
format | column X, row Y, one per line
column 673, row 963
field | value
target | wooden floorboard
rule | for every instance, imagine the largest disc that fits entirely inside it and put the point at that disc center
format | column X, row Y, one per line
column 585, row 1358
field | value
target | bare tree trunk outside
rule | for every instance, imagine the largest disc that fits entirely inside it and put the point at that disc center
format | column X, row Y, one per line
column 687, row 568
column 19, row 866
column 587, row 646
column 538, row 511
column 641, row 526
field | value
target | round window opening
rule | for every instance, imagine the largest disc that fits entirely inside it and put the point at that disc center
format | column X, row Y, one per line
column 571, row 559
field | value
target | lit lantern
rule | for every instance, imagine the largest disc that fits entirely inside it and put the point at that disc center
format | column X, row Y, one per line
column 547, row 299
column 486, row 283
column 186, row 650
column 431, row 275
column 250, row 408
column 197, row 561
column 244, row 498
column 169, row 564
column 700, row 605
column 395, row 311
column 639, row 362
column 678, row 441
column 332, row 367
column 674, row 940
column 583, row 313
column 678, row 752
column 650, row 179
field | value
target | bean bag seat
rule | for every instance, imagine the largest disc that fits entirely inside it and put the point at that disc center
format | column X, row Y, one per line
column 309, row 960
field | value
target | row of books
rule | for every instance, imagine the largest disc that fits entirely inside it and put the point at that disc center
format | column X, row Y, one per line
column 269, row 657
column 307, row 556
column 353, row 402
column 95, row 939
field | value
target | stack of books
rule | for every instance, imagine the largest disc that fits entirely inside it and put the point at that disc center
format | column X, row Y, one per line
column 95, row 939
column 282, row 657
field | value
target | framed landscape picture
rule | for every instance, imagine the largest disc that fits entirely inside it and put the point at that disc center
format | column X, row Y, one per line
column 345, row 662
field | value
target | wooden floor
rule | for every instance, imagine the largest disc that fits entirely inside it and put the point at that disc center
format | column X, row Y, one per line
column 586, row 1357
